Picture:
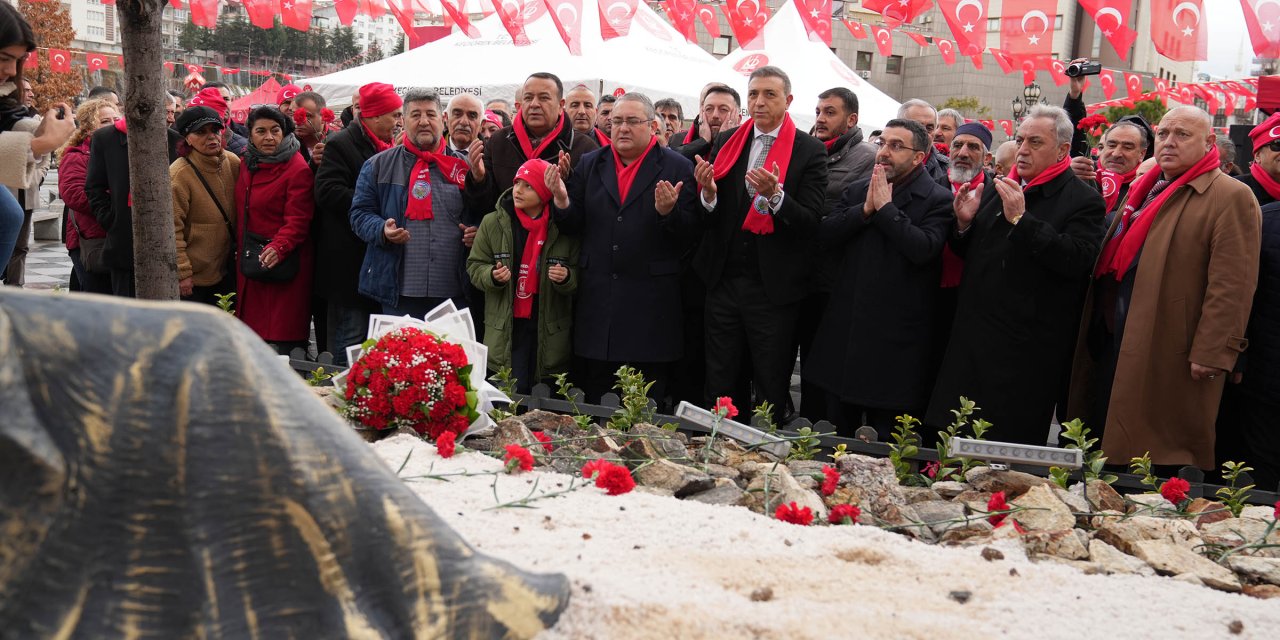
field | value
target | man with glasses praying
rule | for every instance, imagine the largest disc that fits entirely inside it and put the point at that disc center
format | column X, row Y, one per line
column 633, row 203
column 887, row 232
column 1028, row 254
column 922, row 112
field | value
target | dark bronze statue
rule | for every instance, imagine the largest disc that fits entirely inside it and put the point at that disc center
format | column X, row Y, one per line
column 164, row 475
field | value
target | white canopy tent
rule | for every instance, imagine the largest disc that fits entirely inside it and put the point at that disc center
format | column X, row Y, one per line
column 653, row 59
column 812, row 67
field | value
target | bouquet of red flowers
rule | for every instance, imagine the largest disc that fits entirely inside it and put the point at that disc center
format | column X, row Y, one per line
column 411, row 378
column 1093, row 127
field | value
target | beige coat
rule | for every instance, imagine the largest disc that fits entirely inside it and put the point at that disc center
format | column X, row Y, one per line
column 204, row 244
column 20, row 169
column 1191, row 300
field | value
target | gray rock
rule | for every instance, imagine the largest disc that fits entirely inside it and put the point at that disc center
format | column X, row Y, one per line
column 725, row 492
column 680, row 480
column 561, row 425
column 1256, row 569
column 512, row 431
column 750, row 470
column 1151, row 504
column 1124, row 534
column 781, row 488
column 1265, row 514
column 919, row 494
column 1074, row 501
column 1063, row 544
column 1171, row 559
column 1044, row 511
column 1102, row 497
column 1236, row 531
column 873, row 481
column 807, row 467
column 972, row 532
column 936, row 512
column 1012, row 483
column 721, row 471
column 948, row 489
column 647, row 442
column 1112, row 560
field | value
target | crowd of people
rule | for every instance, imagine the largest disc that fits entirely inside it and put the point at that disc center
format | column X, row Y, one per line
column 1042, row 279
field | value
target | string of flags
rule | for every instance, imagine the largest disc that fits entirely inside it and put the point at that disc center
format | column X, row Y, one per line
column 60, row 61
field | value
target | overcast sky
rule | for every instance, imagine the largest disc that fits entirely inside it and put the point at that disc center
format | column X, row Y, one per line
column 1230, row 54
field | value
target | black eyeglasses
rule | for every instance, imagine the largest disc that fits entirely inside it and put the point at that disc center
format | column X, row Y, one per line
column 893, row 145
column 1274, row 145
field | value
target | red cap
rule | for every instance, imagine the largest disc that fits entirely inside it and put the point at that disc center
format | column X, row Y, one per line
column 378, row 98
column 1267, row 132
column 535, row 173
column 287, row 92
column 211, row 98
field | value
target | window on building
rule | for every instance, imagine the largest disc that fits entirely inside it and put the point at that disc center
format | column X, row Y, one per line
column 96, row 31
column 893, row 65
column 97, row 16
column 1057, row 23
column 993, row 24
column 863, row 61
column 721, row 46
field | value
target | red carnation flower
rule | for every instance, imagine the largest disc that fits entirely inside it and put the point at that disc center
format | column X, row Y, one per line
column 724, row 407
column 1175, row 490
column 595, row 466
column 300, row 117
column 445, row 444
column 844, row 514
column 1277, row 513
column 615, row 479
column 931, row 469
column 545, row 439
column 830, row 480
column 794, row 514
column 519, row 458
column 326, row 115
column 942, row 149
column 997, row 503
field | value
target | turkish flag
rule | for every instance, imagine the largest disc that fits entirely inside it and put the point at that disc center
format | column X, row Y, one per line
column 168, row 66
column 948, row 50
column 682, row 14
column 1007, row 126
column 1113, row 18
column 1002, row 59
column 1186, row 95
column 1058, row 71
column 403, row 12
column 1028, row 70
column 567, row 16
column 374, row 8
column 968, row 22
column 1026, row 29
column 1177, row 29
column 919, row 38
column 1162, row 85
column 615, row 18
column 204, row 13
column 96, row 61
column 816, row 16
column 459, row 17
column 346, row 10
column 176, row 4
column 896, row 12
column 262, row 13
column 194, row 68
column 1108, row 80
column 1133, row 85
column 990, row 124
column 747, row 18
column 884, row 40
column 707, row 16
column 856, row 29
column 230, row 71
column 296, row 14
column 1262, row 18
column 512, row 16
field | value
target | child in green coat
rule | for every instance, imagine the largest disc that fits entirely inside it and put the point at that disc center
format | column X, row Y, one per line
column 528, row 273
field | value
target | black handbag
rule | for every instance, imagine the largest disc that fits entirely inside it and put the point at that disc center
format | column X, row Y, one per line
column 251, row 247
column 90, row 248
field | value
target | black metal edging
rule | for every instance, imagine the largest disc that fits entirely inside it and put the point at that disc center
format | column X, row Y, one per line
column 540, row 397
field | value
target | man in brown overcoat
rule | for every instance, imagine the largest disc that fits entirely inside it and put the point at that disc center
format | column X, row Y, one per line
column 1165, row 316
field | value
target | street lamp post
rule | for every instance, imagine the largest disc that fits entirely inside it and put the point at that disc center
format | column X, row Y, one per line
column 1018, row 109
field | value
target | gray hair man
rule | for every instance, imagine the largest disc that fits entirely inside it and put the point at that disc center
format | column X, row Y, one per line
column 671, row 114
column 949, row 120
column 924, row 113
column 1027, row 253
column 462, row 119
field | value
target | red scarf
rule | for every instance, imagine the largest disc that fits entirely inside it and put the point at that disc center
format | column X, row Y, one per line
column 454, row 170
column 780, row 154
column 522, row 136
column 973, row 184
column 1111, row 183
column 627, row 174
column 952, row 264
column 601, row 137
column 1122, row 248
column 527, row 281
column 1052, row 172
column 378, row 144
column 693, row 132
column 122, row 127
column 1268, row 183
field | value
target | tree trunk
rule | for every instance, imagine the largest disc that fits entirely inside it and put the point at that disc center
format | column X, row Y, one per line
column 155, row 253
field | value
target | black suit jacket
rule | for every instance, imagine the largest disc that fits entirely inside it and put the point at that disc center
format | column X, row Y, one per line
column 629, row 306
column 339, row 251
column 106, row 186
column 787, row 255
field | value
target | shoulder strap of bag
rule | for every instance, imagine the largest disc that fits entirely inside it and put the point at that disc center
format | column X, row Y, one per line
column 231, row 230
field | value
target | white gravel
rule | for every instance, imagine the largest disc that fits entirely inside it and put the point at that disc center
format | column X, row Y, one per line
column 650, row 566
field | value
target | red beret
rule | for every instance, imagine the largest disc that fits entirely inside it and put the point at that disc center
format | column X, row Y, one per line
column 1268, row 131
column 287, row 92
column 378, row 98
